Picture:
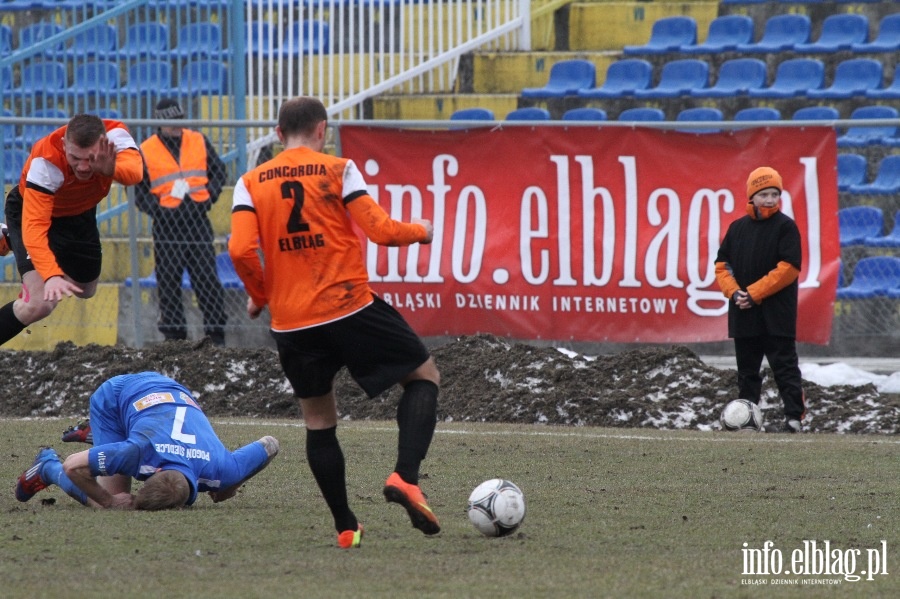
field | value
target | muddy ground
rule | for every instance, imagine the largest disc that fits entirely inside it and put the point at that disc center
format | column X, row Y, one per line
column 484, row 379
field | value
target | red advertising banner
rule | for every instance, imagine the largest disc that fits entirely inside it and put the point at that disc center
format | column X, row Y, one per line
column 588, row 234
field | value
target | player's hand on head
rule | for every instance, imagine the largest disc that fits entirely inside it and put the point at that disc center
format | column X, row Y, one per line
column 56, row 288
column 104, row 161
column 122, row 501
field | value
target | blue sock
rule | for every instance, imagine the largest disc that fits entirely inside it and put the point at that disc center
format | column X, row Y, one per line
column 52, row 473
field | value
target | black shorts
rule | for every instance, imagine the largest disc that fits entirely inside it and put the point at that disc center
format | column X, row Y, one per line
column 376, row 344
column 74, row 241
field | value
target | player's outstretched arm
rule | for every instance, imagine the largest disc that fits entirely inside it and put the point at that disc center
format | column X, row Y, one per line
column 271, row 447
column 382, row 229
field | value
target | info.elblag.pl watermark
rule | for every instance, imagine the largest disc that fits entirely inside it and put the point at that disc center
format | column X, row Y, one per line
column 814, row 562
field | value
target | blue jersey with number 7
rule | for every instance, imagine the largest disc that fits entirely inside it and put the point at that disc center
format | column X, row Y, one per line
column 146, row 422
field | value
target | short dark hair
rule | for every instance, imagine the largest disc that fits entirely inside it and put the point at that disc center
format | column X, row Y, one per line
column 84, row 130
column 165, row 490
column 301, row 116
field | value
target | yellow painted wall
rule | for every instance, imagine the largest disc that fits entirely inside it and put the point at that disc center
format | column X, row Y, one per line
column 67, row 322
column 440, row 107
column 504, row 72
column 612, row 25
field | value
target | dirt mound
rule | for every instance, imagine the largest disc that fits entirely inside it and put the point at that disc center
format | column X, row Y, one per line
column 484, row 379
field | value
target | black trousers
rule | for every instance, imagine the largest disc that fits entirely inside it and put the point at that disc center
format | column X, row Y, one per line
column 781, row 352
column 187, row 245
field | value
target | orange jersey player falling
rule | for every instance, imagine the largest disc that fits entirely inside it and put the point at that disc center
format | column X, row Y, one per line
column 51, row 214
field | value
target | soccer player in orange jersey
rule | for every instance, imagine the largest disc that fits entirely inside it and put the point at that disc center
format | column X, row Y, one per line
column 52, row 214
column 298, row 209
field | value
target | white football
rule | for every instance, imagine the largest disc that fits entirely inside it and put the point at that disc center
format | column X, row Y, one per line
column 496, row 507
column 742, row 415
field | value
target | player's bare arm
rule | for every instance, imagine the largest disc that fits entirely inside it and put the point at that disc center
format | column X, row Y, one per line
column 78, row 469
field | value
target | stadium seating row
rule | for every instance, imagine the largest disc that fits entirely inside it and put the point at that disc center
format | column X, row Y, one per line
column 856, row 136
column 13, row 6
column 143, row 40
column 786, row 32
column 796, row 77
column 102, row 79
column 873, row 276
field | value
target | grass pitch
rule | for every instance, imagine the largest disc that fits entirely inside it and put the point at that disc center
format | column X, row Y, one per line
column 610, row 513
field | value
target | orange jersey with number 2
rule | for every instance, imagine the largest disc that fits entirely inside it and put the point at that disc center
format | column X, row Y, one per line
column 297, row 209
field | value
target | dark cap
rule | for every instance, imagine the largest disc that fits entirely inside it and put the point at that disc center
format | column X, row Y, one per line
column 168, row 108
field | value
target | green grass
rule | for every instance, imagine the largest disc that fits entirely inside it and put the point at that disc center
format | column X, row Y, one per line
column 611, row 513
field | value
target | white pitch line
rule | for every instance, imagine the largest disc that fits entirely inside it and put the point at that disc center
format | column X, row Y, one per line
column 737, row 438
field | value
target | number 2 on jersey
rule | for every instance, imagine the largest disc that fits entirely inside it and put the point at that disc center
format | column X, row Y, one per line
column 293, row 190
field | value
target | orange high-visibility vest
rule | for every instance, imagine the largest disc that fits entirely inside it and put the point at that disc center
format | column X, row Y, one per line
column 164, row 170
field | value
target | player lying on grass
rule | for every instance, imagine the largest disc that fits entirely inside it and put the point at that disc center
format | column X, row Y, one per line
column 148, row 427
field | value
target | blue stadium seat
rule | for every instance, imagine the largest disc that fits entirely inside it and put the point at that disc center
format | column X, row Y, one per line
column 873, row 276
column 472, row 114
column 6, row 79
column 107, row 113
column 30, row 35
column 642, row 114
column 42, row 78
column 584, row 114
column 198, row 40
column 887, row 179
column 891, row 92
column 148, row 77
column 851, row 170
column 858, row 136
column 100, row 42
column 529, row 114
column 6, row 40
column 852, row 77
column 793, row 77
column 668, row 34
column 839, row 32
column 758, row 113
column 18, row 5
column 226, row 272
column 208, row 77
column 678, row 78
column 312, row 37
column 725, row 33
column 781, row 32
column 888, row 38
column 566, row 78
column 623, row 77
column 816, row 113
column 13, row 163
column 263, row 38
column 145, row 40
column 8, row 131
column 891, row 240
column 736, row 77
column 857, row 223
column 93, row 79
column 701, row 113
column 32, row 133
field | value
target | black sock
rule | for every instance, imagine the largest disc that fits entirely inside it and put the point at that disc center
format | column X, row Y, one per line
column 416, row 418
column 326, row 460
column 9, row 324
